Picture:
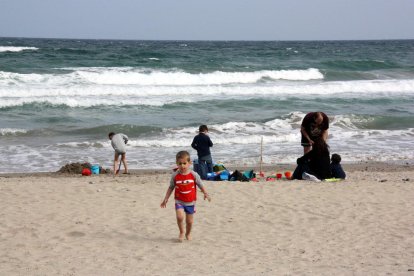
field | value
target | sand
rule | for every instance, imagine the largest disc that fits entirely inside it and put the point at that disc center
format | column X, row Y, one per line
column 100, row 225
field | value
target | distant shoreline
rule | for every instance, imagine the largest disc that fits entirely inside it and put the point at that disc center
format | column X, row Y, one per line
column 367, row 166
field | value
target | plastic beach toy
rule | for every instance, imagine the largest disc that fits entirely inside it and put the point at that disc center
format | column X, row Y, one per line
column 288, row 175
column 86, row 172
column 333, row 179
column 95, row 169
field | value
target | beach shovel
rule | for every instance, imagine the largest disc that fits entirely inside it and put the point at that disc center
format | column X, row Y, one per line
column 261, row 173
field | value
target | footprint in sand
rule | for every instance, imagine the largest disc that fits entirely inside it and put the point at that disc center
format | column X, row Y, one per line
column 76, row 234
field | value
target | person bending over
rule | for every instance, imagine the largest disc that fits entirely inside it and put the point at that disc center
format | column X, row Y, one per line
column 118, row 142
column 314, row 125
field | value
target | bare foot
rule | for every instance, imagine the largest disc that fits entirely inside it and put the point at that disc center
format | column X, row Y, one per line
column 188, row 237
column 181, row 237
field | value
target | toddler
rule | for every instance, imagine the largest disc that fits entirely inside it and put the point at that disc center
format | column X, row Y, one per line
column 336, row 168
column 183, row 182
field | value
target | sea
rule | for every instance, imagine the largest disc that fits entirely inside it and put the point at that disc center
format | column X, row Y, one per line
column 59, row 99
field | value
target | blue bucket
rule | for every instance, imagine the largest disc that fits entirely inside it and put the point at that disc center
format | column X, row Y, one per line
column 95, row 169
column 224, row 175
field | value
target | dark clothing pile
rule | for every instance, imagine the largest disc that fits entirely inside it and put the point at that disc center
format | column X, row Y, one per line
column 313, row 163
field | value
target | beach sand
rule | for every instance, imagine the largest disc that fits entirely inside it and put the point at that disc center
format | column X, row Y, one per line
column 54, row 224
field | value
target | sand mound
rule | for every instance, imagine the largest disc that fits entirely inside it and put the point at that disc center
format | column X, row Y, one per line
column 76, row 168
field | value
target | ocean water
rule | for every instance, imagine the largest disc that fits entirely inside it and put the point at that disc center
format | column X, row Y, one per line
column 60, row 98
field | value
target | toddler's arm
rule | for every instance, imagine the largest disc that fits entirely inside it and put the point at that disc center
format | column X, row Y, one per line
column 167, row 196
column 206, row 195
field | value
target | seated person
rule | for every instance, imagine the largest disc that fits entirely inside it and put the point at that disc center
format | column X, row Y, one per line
column 316, row 162
column 336, row 168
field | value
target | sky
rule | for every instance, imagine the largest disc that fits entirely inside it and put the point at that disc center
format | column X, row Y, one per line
column 208, row 20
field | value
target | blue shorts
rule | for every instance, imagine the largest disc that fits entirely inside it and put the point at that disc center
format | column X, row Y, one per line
column 187, row 209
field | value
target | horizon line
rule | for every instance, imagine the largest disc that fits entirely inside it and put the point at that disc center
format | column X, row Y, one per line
column 209, row 40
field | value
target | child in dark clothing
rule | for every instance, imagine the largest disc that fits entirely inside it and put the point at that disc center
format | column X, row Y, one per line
column 202, row 144
column 336, row 168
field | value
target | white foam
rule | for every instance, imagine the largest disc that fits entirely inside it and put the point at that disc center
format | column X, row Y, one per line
column 86, row 87
column 143, row 77
column 90, row 95
column 11, row 131
column 16, row 48
column 278, row 132
column 156, row 78
column 236, row 143
column 232, row 133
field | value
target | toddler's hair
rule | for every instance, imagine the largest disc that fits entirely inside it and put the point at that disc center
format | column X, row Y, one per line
column 111, row 134
column 203, row 128
column 336, row 158
column 183, row 154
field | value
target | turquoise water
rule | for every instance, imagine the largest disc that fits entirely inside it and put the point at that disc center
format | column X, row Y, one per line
column 60, row 98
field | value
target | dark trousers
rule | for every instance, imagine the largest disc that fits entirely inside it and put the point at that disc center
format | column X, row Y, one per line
column 205, row 164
